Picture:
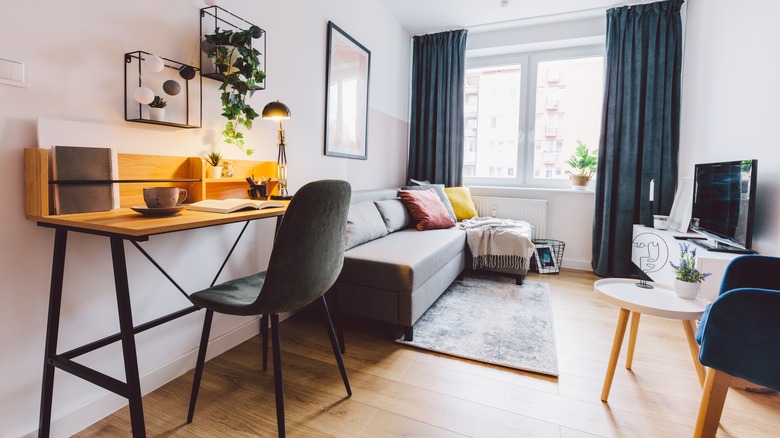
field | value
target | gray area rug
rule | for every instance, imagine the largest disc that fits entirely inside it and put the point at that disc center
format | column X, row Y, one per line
column 490, row 319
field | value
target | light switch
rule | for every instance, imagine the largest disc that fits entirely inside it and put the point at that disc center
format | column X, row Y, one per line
column 13, row 70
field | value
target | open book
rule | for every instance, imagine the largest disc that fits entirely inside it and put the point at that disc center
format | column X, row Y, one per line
column 231, row 205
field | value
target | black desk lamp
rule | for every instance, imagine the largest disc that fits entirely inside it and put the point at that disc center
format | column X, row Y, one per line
column 279, row 111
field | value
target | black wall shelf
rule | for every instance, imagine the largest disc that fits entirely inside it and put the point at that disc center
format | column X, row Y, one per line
column 184, row 110
column 214, row 17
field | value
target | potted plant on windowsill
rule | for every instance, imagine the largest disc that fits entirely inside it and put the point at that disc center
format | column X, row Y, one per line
column 239, row 66
column 584, row 162
column 214, row 159
column 687, row 278
column 157, row 109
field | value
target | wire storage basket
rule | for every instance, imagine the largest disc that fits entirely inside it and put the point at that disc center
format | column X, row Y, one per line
column 548, row 255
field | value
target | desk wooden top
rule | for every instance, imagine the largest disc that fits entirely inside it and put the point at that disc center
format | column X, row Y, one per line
column 130, row 224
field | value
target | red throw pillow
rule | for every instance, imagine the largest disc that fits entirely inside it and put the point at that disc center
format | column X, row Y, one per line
column 427, row 209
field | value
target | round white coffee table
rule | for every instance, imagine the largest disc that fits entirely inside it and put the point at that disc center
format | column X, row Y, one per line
column 659, row 301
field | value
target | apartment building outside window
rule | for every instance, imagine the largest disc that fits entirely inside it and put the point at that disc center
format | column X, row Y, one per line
column 524, row 114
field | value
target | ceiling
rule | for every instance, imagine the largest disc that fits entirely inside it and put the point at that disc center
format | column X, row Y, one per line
column 426, row 16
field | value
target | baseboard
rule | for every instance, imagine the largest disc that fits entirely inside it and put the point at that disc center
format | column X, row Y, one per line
column 108, row 403
column 581, row 265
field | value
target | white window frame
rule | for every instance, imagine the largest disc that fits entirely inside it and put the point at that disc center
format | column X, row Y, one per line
column 528, row 62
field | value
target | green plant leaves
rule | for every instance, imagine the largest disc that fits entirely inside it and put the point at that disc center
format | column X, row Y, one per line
column 583, row 159
column 239, row 79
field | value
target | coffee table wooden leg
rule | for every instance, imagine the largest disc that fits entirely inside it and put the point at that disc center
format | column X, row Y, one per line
column 620, row 331
column 632, row 339
column 690, row 335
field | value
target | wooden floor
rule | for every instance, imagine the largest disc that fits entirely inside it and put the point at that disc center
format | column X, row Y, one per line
column 401, row 391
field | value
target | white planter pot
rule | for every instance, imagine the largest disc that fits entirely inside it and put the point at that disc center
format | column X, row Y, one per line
column 216, row 172
column 157, row 114
column 686, row 290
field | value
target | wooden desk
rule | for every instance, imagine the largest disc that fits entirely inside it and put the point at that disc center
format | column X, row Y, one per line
column 124, row 224
column 119, row 225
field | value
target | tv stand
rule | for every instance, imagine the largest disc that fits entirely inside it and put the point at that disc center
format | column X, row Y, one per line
column 721, row 247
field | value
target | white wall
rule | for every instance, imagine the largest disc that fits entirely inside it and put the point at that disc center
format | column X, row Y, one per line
column 74, row 52
column 730, row 99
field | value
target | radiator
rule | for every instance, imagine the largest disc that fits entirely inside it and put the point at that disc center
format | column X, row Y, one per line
column 533, row 211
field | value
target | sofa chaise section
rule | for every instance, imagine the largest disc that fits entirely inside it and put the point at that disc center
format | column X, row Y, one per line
column 395, row 278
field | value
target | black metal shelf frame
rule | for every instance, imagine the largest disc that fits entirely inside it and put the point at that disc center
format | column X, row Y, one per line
column 190, row 121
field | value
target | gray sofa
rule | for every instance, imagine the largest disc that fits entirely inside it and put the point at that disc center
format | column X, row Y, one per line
column 393, row 272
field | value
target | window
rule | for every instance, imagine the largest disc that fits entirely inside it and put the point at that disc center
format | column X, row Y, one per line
column 526, row 112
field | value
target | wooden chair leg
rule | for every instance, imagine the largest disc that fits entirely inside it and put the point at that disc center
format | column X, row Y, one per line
column 278, row 385
column 335, row 345
column 199, row 364
column 264, row 336
column 716, row 386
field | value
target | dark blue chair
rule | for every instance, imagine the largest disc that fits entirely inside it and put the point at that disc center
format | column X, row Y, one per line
column 739, row 335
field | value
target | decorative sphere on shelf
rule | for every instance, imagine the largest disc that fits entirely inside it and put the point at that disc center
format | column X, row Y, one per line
column 171, row 87
column 155, row 64
column 187, row 72
column 256, row 31
column 143, row 95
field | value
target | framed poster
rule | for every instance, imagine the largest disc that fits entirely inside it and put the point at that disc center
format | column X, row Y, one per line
column 346, row 96
column 546, row 259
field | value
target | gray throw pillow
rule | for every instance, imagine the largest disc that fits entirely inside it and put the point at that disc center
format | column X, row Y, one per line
column 439, row 191
column 364, row 224
column 394, row 213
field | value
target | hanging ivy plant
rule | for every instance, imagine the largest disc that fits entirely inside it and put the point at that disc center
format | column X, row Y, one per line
column 239, row 65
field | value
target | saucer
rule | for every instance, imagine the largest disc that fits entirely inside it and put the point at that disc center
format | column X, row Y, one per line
column 161, row 211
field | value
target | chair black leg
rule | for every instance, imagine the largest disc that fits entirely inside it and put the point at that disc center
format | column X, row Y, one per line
column 204, row 343
column 264, row 336
column 337, row 320
column 279, row 387
column 335, row 345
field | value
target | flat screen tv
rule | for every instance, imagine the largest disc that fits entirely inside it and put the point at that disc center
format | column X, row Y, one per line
column 724, row 198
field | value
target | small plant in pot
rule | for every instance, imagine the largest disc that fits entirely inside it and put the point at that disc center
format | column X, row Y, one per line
column 687, row 278
column 157, row 109
column 239, row 66
column 584, row 162
column 214, row 159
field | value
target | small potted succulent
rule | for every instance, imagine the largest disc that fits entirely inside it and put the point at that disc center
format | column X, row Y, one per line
column 214, row 159
column 157, row 109
column 687, row 278
column 584, row 162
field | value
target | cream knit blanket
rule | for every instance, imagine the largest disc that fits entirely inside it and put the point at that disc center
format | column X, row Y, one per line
column 499, row 243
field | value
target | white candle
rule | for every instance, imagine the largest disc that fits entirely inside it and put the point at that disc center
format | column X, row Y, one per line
column 652, row 189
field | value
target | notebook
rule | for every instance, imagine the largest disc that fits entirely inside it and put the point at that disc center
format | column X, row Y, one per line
column 73, row 163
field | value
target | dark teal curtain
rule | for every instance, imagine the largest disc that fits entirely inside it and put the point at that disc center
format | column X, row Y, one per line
column 640, row 128
column 436, row 127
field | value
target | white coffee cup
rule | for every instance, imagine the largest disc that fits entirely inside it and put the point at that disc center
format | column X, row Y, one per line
column 164, row 197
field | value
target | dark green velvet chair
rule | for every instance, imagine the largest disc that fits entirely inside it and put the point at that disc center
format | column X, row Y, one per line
column 306, row 259
column 739, row 335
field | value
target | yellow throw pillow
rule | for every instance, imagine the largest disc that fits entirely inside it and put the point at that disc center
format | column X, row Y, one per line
column 461, row 201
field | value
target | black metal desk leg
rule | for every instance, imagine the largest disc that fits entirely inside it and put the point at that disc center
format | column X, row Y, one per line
column 128, row 338
column 52, row 330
